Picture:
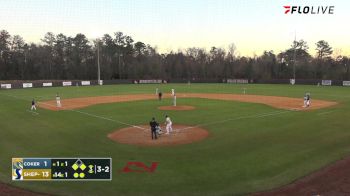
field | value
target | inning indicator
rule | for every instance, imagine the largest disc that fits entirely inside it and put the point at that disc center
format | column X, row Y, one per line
column 24, row 169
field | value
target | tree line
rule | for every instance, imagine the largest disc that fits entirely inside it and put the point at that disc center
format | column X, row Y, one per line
column 66, row 57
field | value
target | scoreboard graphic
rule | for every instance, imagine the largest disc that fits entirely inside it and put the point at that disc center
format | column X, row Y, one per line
column 60, row 169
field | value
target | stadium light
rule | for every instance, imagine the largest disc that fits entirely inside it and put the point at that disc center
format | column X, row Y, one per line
column 294, row 55
column 98, row 63
column 120, row 74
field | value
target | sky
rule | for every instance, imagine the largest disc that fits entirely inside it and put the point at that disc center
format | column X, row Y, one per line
column 252, row 25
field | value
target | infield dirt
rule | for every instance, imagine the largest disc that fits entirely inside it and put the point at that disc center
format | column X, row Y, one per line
column 273, row 101
column 141, row 136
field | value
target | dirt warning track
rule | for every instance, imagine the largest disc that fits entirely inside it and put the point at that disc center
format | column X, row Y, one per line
column 9, row 190
column 330, row 180
column 333, row 179
column 273, row 101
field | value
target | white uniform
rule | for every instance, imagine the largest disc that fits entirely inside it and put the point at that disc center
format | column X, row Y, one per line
column 168, row 125
column 156, row 91
column 58, row 101
column 173, row 92
column 174, row 100
column 307, row 100
column 33, row 106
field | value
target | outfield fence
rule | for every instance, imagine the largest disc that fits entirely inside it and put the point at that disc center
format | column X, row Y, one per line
column 18, row 84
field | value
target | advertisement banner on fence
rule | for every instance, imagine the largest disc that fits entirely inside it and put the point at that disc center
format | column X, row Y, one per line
column 47, row 84
column 237, row 81
column 27, row 85
column 85, row 83
column 66, row 83
column 292, row 81
column 326, row 82
column 6, row 86
column 346, row 83
column 150, row 81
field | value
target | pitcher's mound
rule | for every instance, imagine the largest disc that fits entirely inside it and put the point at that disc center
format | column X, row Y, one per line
column 177, row 108
column 141, row 135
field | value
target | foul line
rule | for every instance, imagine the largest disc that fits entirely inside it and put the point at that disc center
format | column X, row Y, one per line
column 81, row 112
column 36, row 113
column 260, row 115
column 97, row 116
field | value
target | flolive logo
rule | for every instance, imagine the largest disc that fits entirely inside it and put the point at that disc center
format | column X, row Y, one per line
column 308, row 9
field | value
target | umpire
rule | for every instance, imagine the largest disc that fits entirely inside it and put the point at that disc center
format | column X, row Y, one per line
column 153, row 125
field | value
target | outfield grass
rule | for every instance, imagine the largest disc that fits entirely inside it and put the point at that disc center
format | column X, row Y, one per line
column 245, row 155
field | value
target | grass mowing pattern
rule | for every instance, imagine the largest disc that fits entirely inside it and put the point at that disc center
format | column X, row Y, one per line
column 240, row 156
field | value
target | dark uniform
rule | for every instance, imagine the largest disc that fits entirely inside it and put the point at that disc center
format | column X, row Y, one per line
column 160, row 96
column 153, row 125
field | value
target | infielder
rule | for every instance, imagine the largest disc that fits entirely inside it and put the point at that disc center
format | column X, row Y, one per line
column 174, row 96
column 33, row 105
column 58, row 101
column 307, row 100
column 174, row 100
column 168, row 124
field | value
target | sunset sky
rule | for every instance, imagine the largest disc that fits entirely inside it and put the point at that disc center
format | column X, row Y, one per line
column 252, row 25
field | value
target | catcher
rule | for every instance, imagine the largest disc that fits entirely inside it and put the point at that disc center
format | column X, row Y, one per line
column 159, row 130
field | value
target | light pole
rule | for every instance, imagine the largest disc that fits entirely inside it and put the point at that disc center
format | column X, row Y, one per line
column 120, row 71
column 98, row 63
column 25, row 62
column 294, row 55
column 347, row 71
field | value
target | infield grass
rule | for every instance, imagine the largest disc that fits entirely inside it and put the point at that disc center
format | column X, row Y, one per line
column 258, row 149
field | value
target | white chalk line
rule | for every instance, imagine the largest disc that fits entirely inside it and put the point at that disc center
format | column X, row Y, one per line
column 97, row 116
column 36, row 113
column 85, row 113
column 260, row 115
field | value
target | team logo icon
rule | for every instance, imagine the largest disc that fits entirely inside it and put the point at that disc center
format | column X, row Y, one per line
column 17, row 169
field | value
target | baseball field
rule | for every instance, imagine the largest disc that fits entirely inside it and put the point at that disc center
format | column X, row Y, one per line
column 256, row 137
